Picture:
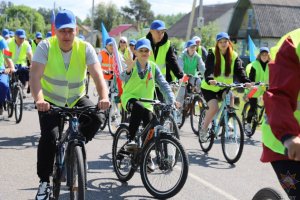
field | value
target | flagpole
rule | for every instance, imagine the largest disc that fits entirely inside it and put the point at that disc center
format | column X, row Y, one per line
column 92, row 33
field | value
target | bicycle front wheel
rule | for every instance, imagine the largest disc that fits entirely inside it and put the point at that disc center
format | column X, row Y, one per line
column 206, row 146
column 196, row 107
column 10, row 108
column 267, row 194
column 232, row 139
column 161, row 176
column 18, row 104
column 114, row 118
column 55, row 179
column 77, row 187
column 253, row 121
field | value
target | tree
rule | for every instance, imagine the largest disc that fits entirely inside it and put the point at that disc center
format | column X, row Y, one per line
column 87, row 21
column 170, row 19
column 140, row 10
column 209, row 34
column 4, row 6
column 47, row 13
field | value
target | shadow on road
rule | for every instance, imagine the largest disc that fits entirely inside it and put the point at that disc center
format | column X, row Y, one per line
column 19, row 143
column 252, row 142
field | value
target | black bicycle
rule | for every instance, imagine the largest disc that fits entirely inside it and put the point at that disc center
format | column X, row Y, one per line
column 70, row 154
column 258, row 114
column 157, row 147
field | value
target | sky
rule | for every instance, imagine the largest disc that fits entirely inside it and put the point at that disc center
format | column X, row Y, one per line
column 81, row 8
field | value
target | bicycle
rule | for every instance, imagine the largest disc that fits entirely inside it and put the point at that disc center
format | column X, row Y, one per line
column 257, row 118
column 230, row 136
column 268, row 194
column 169, row 156
column 70, row 155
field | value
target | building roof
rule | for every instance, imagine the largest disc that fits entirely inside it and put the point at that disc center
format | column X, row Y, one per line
column 275, row 18
column 120, row 29
column 210, row 14
column 87, row 28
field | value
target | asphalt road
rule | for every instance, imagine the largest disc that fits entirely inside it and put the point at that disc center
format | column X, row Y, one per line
column 210, row 176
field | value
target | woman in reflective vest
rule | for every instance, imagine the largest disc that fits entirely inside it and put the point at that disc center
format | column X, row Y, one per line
column 281, row 127
column 221, row 64
column 256, row 71
column 123, row 47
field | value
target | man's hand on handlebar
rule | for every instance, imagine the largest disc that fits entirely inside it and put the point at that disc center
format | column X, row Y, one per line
column 42, row 105
column 104, row 104
column 177, row 104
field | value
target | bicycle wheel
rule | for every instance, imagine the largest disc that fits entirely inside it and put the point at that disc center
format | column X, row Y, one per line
column 18, row 104
column 267, row 194
column 114, row 118
column 206, row 146
column 120, row 156
column 233, row 140
column 55, row 179
column 183, row 114
column 195, row 114
column 87, row 82
column 77, row 187
column 171, row 126
column 10, row 108
column 167, row 179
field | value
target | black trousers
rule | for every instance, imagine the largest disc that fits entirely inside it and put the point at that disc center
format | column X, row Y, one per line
column 159, row 95
column 253, row 105
column 138, row 113
column 288, row 174
column 49, row 125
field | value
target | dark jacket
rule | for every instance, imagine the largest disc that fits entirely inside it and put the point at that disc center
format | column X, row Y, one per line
column 238, row 72
column 171, row 60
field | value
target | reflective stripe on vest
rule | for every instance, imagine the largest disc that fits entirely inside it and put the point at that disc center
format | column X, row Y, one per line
column 22, row 55
column 63, row 87
column 139, row 88
column 107, row 64
column 221, row 78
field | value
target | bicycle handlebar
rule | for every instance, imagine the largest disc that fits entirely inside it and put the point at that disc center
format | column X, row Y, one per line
column 108, row 72
column 59, row 109
column 235, row 85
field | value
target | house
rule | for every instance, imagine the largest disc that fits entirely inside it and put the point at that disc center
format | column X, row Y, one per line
column 82, row 30
column 211, row 13
column 97, row 38
column 126, row 30
column 266, row 21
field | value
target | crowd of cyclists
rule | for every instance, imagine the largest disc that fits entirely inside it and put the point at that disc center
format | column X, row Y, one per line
column 57, row 68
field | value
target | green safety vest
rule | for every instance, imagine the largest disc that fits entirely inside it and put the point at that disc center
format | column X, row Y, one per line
column 126, row 53
column 221, row 78
column 190, row 67
column 63, row 87
column 266, row 78
column 33, row 46
column 139, row 88
column 200, row 51
column 1, row 56
column 22, row 56
column 268, row 137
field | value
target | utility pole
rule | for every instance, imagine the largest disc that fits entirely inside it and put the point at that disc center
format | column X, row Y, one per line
column 200, row 20
column 31, row 21
column 92, row 33
column 188, row 35
column 54, row 6
column 6, row 20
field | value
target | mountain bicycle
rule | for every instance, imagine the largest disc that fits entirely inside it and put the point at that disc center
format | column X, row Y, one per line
column 156, row 146
column 232, row 138
column 70, row 153
column 258, row 115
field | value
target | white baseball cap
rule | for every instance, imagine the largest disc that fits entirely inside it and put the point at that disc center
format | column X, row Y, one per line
column 196, row 38
column 123, row 38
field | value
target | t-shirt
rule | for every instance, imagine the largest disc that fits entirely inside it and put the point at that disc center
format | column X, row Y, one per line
column 42, row 51
column 18, row 49
column 3, row 45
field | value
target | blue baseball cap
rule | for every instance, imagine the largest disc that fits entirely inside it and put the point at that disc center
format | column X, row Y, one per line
column 49, row 34
column 39, row 35
column 133, row 42
column 143, row 43
column 21, row 33
column 81, row 37
column 109, row 41
column 11, row 33
column 191, row 43
column 5, row 32
column 158, row 25
column 264, row 49
column 222, row 35
column 65, row 19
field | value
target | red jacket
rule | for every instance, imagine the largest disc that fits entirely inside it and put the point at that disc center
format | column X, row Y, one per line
column 281, row 98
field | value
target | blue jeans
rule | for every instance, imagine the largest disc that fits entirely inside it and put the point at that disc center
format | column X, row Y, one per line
column 4, row 87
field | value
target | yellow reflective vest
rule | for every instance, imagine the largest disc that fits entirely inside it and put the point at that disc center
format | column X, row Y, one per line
column 22, row 56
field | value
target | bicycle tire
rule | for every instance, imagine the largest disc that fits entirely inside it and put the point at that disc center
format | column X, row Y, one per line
column 253, row 121
column 166, row 166
column 77, row 163
column 10, row 108
column 18, row 104
column 183, row 114
column 235, row 139
column 113, row 125
column 121, row 176
column 267, row 194
column 206, row 146
column 194, row 124
column 55, row 181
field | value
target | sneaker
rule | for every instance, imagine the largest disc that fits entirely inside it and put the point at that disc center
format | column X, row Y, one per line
column 150, row 165
column 1, row 111
column 203, row 135
column 24, row 94
column 230, row 126
column 131, row 145
column 248, row 128
column 43, row 192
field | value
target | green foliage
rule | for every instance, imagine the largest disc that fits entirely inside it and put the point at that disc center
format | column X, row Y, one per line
column 209, row 34
column 178, row 44
column 87, row 21
column 237, row 47
column 4, row 6
column 170, row 19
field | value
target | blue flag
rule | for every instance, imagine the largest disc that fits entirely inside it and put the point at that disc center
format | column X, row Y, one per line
column 104, row 34
column 252, row 49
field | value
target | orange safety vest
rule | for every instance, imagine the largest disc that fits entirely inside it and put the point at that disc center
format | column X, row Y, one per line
column 107, row 64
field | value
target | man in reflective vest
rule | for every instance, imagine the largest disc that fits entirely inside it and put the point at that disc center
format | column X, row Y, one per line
column 163, row 53
column 281, row 127
column 21, row 50
column 36, row 41
column 200, row 49
column 58, row 78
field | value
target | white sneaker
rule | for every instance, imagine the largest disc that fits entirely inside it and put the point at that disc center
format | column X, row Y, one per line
column 24, row 93
column 203, row 135
column 131, row 145
column 230, row 126
column 43, row 192
column 150, row 165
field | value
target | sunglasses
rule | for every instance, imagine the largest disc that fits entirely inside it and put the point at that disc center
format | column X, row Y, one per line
column 123, row 42
column 131, row 45
column 144, row 51
column 39, row 38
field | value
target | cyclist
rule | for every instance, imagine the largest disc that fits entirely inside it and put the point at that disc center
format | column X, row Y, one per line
column 11, row 34
column 57, row 78
column 49, row 34
column 6, row 35
column 4, row 84
column 257, row 72
column 190, row 62
column 132, row 46
column 163, row 54
column 139, row 80
column 200, row 49
column 281, row 127
column 36, row 41
column 221, row 64
column 123, row 47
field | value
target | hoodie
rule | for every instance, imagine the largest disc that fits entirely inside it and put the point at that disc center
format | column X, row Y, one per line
column 171, row 60
column 200, row 63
